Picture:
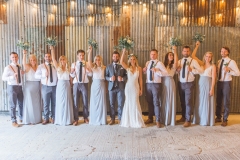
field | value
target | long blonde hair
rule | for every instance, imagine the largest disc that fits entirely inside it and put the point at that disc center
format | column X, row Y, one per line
column 101, row 61
column 32, row 56
column 129, row 61
column 60, row 68
column 212, row 59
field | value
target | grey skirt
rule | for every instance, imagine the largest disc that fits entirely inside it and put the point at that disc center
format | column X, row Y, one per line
column 98, row 103
column 64, row 103
column 168, row 101
column 204, row 109
column 32, row 106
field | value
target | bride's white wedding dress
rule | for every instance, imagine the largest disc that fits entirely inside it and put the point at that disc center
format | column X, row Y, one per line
column 132, row 113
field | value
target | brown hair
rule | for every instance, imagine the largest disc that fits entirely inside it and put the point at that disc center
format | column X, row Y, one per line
column 116, row 52
column 13, row 53
column 154, row 50
column 188, row 47
column 80, row 51
column 166, row 60
column 227, row 48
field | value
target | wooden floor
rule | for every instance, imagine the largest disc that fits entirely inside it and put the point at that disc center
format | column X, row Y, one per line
column 52, row 142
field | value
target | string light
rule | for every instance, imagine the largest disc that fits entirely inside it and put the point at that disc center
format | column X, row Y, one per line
column 140, row 2
column 152, row 2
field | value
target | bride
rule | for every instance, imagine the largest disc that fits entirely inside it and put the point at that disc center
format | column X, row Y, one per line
column 132, row 113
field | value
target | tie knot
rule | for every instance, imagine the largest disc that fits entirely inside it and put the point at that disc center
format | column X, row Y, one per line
column 152, row 62
column 49, row 64
column 185, row 60
column 222, row 59
column 81, row 63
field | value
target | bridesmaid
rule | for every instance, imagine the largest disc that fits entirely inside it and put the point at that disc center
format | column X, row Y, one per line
column 168, row 108
column 204, row 110
column 64, row 101
column 98, row 102
column 32, row 110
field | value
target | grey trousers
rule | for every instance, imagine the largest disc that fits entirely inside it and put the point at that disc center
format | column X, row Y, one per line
column 153, row 95
column 186, row 97
column 15, row 95
column 119, row 94
column 48, row 95
column 223, row 95
column 83, row 89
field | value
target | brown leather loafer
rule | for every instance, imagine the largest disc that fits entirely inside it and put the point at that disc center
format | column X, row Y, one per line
column 158, row 124
column 187, row 124
column 15, row 124
column 148, row 121
column 86, row 120
column 224, row 123
column 182, row 119
column 112, row 122
column 45, row 122
column 218, row 120
column 75, row 123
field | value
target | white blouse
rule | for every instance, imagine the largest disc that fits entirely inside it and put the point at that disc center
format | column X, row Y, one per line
column 171, row 71
column 98, row 73
column 62, row 75
column 30, row 75
column 207, row 72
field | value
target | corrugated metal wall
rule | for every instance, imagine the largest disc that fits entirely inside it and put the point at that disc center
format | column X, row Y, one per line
column 151, row 23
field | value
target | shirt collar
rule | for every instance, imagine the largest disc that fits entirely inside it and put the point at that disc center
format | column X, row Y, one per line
column 13, row 64
column 47, row 63
column 80, row 61
column 115, row 63
column 226, row 59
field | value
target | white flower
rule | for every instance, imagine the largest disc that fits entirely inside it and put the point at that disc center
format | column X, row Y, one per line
column 129, row 41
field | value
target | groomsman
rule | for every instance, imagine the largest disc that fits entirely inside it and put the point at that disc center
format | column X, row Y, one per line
column 80, row 73
column 154, row 70
column 187, row 68
column 226, row 69
column 116, row 76
column 48, row 75
column 13, row 75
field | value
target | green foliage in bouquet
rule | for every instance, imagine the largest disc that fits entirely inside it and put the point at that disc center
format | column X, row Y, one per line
column 125, row 42
column 175, row 41
column 23, row 45
column 93, row 43
column 51, row 41
column 199, row 37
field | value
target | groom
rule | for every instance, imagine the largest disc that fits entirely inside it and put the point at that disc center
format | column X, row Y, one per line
column 116, row 76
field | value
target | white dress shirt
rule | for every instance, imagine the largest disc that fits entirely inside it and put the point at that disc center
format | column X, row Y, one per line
column 41, row 74
column 234, row 71
column 189, row 76
column 85, row 73
column 8, row 74
column 158, row 74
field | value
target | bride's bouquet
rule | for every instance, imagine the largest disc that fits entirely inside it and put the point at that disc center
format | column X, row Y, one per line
column 51, row 41
column 175, row 41
column 199, row 37
column 125, row 42
column 93, row 43
column 23, row 45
